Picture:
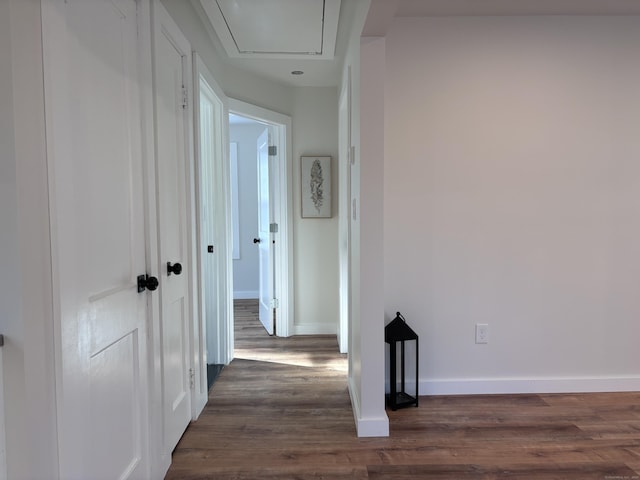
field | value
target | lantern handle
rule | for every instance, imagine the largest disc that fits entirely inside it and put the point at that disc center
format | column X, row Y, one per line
column 399, row 315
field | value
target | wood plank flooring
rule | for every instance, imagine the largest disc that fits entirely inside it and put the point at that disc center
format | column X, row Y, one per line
column 281, row 410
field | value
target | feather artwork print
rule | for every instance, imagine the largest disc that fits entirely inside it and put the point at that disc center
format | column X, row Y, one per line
column 315, row 186
column 316, row 182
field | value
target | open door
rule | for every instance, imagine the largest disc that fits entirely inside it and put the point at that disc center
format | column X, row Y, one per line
column 264, row 240
column 215, row 242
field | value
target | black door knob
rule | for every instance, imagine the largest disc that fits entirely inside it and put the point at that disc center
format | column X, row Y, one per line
column 175, row 268
column 147, row 282
column 256, row 240
column 152, row 283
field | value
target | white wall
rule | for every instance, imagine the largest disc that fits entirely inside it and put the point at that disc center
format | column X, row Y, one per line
column 246, row 270
column 25, row 288
column 10, row 315
column 365, row 60
column 315, row 244
column 512, row 197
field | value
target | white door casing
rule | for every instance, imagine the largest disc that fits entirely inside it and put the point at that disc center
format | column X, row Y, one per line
column 204, row 120
column 214, row 209
column 172, row 68
column 265, row 237
column 94, row 151
column 345, row 212
column 282, row 207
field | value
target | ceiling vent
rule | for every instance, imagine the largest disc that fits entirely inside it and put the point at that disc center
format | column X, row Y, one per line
column 293, row 29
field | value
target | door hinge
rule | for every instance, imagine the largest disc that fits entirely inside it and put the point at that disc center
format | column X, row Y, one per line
column 185, row 97
column 275, row 303
column 273, row 228
column 273, row 150
column 192, row 378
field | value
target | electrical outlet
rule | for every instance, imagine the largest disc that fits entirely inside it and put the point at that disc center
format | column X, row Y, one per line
column 482, row 333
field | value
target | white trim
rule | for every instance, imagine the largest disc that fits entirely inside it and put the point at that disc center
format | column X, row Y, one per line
column 203, row 236
column 246, row 294
column 488, row 386
column 235, row 218
column 366, row 427
column 158, row 464
column 224, row 333
column 33, row 453
column 160, row 19
column 314, row 329
column 283, row 210
column 345, row 159
column 195, row 354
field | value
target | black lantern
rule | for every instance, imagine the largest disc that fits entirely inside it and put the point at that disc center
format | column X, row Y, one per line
column 399, row 332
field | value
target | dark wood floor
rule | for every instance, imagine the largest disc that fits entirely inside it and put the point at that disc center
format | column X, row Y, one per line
column 281, row 410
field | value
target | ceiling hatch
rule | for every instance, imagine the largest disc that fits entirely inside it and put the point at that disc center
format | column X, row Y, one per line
column 275, row 28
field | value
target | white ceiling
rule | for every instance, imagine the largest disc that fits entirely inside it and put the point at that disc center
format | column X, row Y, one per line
column 274, row 42
column 273, row 38
column 275, row 29
column 413, row 8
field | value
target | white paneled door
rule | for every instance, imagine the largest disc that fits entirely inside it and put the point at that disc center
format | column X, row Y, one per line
column 94, row 151
column 172, row 64
column 265, row 245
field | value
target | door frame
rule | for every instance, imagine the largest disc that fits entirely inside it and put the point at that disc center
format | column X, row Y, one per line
column 282, row 208
column 220, row 197
column 161, row 460
column 345, row 161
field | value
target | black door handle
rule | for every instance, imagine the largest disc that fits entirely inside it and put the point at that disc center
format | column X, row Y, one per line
column 256, row 240
column 175, row 268
column 147, row 282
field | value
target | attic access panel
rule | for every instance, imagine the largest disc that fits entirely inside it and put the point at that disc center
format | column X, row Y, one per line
column 275, row 28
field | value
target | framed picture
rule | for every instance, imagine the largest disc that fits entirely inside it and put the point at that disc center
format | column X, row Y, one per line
column 316, row 187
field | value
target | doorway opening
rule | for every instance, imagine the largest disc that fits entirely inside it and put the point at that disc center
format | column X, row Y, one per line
column 260, row 186
column 252, row 212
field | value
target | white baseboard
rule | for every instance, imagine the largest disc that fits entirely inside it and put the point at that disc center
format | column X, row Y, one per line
column 314, row 329
column 367, row 427
column 529, row 385
column 246, row 295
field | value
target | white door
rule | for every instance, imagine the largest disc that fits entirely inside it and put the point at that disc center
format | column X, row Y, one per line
column 208, row 217
column 265, row 245
column 94, row 150
column 171, row 67
column 215, row 224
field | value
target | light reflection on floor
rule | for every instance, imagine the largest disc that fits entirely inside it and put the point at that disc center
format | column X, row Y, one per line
column 288, row 357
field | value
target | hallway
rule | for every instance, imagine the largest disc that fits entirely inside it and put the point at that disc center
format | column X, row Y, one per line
column 281, row 409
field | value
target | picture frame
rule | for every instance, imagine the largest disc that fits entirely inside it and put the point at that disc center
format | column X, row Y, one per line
column 315, row 186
